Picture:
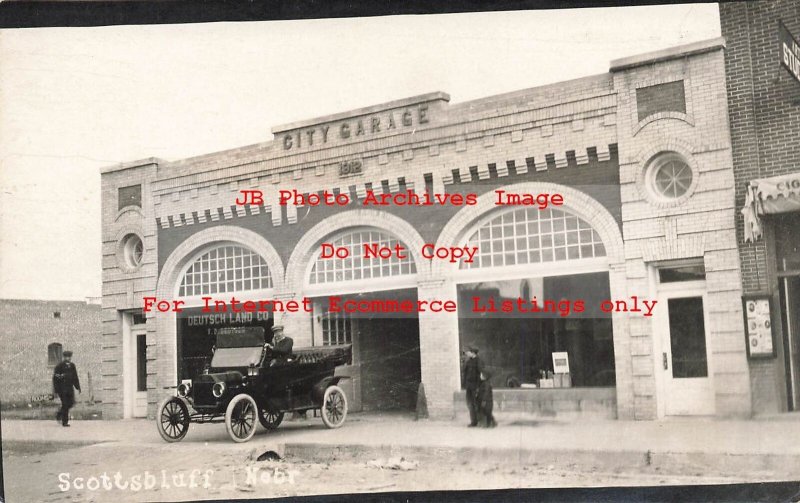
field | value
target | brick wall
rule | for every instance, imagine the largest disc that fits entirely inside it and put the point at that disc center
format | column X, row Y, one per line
column 124, row 287
column 29, row 326
column 667, row 97
column 764, row 117
column 698, row 224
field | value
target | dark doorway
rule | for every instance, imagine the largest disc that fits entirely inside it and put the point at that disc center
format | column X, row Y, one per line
column 386, row 352
column 787, row 244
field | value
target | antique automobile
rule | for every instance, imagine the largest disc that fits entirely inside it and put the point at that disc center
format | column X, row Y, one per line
column 246, row 382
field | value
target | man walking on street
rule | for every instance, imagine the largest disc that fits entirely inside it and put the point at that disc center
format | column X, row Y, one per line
column 65, row 382
column 472, row 380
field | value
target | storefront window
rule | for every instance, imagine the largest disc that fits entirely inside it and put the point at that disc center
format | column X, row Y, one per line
column 517, row 347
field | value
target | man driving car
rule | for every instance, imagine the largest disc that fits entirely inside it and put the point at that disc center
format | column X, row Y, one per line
column 281, row 346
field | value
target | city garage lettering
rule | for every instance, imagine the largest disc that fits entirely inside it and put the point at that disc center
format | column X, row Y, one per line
column 373, row 124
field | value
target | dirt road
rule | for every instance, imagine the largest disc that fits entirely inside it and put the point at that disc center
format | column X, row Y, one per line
column 122, row 472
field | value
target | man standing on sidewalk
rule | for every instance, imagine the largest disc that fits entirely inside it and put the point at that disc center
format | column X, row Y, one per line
column 65, row 382
column 472, row 380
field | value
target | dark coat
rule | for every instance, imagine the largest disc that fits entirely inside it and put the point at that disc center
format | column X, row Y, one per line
column 283, row 348
column 472, row 373
column 65, row 378
column 484, row 397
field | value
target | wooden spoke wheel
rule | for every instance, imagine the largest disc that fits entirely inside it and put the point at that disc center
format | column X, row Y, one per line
column 334, row 407
column 269, row 419
column 240, row 418
column 172, row 419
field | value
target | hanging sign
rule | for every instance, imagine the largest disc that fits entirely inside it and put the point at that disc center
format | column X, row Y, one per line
column 789, row 51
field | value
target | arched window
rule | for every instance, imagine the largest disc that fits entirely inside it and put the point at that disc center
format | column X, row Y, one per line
column 532, row 236
column 226, row 269
column 357, row 267
column 55, row 352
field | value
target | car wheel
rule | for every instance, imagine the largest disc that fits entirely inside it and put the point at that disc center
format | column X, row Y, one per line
column 240, row 418
column 268, row 419
column 334, row 407
column 172, row 419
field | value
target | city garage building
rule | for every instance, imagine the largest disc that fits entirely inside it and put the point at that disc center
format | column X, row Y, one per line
column 640, row 155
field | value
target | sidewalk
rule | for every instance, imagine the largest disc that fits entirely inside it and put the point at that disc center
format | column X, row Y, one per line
column 758, row 446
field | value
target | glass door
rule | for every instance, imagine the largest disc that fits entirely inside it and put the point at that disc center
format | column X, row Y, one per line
column 688, row 389
column 680, row 321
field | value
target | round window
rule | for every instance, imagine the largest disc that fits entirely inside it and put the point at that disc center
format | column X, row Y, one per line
column 669, row 177
column 133, row 250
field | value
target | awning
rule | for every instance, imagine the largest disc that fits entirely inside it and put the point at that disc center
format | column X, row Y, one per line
column 766, row 196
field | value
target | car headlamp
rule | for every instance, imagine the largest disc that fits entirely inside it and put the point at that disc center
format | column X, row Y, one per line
column 218, row 389
column 184, row 388
column 252, row 370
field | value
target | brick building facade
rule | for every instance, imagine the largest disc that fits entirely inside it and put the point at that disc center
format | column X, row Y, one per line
column 764, row 105
column 34, row 335
column 640, row 155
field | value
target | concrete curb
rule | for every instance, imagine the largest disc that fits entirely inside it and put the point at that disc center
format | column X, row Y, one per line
column 756, row 466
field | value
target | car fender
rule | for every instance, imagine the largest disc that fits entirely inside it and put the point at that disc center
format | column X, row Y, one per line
column 318, row 391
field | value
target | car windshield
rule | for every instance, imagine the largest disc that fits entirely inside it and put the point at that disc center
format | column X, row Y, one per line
column 236, row 357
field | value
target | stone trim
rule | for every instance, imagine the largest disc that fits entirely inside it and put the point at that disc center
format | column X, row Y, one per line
column 119, row 251
column 136, row 210
column 648, row 156
column 511, row 121
column 444, row 174
column 687, row 117
column 180, row 257
column 575, row 201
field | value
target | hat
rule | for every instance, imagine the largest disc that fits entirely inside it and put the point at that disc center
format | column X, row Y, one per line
column 67, row 353
column 275, row 328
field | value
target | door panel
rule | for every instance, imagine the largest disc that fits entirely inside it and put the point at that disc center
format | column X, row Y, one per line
column 139, row 340
column 687, row 338
column 687, row 386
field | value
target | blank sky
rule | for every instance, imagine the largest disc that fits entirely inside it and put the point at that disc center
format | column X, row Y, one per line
column 73, row 100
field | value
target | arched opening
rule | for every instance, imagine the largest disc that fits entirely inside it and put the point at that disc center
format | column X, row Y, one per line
column 358, row 269
column 532, row 295
column 220, row 271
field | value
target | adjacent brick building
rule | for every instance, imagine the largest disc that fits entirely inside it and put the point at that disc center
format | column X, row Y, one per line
column 641, row 156
column 764, row 105
column 33, row 337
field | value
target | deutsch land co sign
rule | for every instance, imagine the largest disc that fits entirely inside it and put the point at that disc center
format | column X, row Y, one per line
column 790, row 51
